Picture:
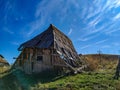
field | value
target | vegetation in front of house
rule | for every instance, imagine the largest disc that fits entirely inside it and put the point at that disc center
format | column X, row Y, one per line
column 17, row 80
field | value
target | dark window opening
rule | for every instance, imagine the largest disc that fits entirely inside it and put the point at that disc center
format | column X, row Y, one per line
column 39, row 58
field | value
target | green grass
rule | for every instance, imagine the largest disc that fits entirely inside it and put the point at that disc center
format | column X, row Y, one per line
column 17, row 80
column 85, row 81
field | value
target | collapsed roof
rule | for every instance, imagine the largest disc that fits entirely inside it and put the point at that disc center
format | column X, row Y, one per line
column 55, row 39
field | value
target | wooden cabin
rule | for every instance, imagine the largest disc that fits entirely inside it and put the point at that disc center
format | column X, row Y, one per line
column 3, row 62
column 50, row 50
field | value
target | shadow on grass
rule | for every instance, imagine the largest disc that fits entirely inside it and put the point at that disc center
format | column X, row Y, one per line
column 18, row 80
column 44, row 77
column 22, row 81
column 9, row 82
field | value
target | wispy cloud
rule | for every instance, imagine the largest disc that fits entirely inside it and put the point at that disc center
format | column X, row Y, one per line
column 112, row 31
column 86, row 46
column 102, row 41
column 86, row 38
column 43, row 17
column 111, row 28
column 54, row 8
column 95, row 21
column 116, row 44
column 96, row 16
column 15, row 43
column 112, row 4
column 5, row 29
column 97, row 43
column 8, row 9
column 116, row 17
column 105, row 46
column 70, row 31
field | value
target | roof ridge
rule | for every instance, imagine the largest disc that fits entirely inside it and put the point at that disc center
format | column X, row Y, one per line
column 54, row 28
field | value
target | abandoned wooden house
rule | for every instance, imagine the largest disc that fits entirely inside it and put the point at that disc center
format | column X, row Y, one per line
column 50, row 50
column 3, row 62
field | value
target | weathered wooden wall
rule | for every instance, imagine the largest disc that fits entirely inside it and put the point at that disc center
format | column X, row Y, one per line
column 27, row 60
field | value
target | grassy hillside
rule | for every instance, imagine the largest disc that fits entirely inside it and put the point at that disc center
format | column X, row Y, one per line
column 17, row 80
column 100, row 61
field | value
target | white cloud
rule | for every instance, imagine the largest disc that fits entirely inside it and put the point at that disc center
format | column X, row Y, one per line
column 93, row 22
column 116, row 17
column 70, row 31
column 96, row 14
column 86, row 46
column 111, row 31
column 110, row 28
column 115, row 3
column 102, row 41
column 110, row 4
column 93, row 44
column 88, row 37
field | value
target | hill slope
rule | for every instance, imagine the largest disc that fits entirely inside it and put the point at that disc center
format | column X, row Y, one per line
column 17, row 80
column 100, row 61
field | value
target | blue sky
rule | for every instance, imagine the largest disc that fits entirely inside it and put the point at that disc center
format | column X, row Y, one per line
column 92, row 25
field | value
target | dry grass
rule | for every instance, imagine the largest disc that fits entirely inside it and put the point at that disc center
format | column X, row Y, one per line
column 102, row 61
column 4, row 69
